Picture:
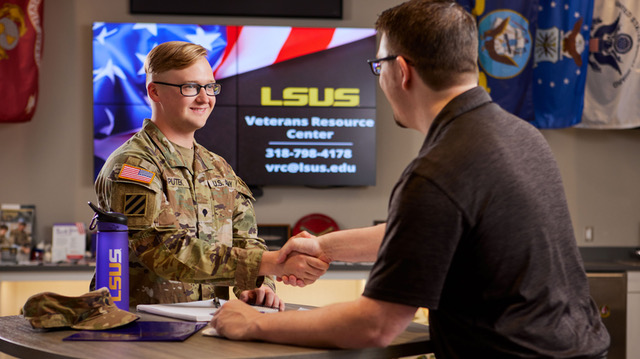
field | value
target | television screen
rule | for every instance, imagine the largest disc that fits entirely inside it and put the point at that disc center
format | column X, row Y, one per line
column 280, row 8
column 297, row 105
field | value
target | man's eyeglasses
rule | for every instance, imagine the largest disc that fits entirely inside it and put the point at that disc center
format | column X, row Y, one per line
column 192, row 90
column 376, row 64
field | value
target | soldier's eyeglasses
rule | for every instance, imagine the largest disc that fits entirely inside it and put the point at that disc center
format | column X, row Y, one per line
column 192, row 90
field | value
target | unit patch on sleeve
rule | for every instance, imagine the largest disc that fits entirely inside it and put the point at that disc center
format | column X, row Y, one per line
column 135, row 205
column 136, row 174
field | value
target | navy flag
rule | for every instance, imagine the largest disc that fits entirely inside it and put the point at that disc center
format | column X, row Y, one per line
column 505, row 30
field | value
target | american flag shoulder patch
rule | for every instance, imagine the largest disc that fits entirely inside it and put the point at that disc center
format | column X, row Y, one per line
column 136, row 174
column 135, row 204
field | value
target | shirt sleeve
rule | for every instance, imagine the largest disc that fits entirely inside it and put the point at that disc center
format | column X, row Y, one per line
column 423, row 230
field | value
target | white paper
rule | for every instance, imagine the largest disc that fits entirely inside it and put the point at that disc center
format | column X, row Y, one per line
column 210, row 331
column 198, row 311
column 68, row 240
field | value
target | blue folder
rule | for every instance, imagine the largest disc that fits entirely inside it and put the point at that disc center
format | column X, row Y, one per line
column 142, row 331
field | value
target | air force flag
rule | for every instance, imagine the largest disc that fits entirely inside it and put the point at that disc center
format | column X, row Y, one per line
column 560, row 62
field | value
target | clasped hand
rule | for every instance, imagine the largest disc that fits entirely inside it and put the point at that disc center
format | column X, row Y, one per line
column 302, row 243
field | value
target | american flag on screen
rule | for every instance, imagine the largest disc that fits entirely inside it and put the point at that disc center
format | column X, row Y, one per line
column 255, row 47
column 120, row 101
column 136, row 174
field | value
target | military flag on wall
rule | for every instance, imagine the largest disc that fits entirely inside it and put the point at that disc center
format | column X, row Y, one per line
column 505, row 29
column 20, row 54
column 560, row 62
column 613, row 78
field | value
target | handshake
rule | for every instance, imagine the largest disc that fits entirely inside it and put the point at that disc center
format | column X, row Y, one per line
column 304, row 258
column 301, row 261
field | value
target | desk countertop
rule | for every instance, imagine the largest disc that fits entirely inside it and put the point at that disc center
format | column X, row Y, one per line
column 596, row 259
column 4, row 267
column 610, row 259
column 9, row 267
column 19, row 339
column 611, row 266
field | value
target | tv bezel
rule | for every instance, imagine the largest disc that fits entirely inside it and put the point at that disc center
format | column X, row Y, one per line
column 329, row 9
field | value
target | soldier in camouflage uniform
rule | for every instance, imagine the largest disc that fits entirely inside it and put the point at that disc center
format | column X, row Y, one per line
column 20, row 237
column 4, row 241
column 191, row 220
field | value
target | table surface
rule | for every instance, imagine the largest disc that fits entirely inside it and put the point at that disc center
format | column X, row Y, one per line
column 18, row 338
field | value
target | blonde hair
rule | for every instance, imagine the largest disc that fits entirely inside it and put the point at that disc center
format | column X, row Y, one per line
column 172, row 55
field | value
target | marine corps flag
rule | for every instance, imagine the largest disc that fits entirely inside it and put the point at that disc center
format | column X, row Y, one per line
column 613, row 76
column 560, row 62
column 20, row 53
column 505, row 29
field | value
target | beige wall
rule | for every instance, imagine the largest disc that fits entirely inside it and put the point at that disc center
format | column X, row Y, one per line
column 601, row 174
column 48, row 161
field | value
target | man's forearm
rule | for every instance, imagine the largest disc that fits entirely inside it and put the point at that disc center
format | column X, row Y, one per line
column 358, row 324
column 353, row 245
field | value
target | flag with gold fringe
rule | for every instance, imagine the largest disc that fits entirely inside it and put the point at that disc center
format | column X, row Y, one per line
column 613, row 76
column 21, row 43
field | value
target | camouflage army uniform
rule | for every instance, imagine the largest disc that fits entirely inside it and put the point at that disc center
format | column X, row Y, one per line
column 20, row 238
column 188, row 229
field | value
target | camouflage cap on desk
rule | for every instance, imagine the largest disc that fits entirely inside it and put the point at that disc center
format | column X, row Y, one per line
column 92, row 311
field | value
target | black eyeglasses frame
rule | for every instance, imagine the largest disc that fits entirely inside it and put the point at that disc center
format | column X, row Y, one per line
column 216, row 88
column 375, row 63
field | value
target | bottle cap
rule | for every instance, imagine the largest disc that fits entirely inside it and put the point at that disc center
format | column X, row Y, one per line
column 106, row 217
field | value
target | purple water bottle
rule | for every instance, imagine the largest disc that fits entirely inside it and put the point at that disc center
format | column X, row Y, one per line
column 112, row 254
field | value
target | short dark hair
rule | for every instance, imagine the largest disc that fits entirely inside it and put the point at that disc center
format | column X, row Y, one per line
column 439, row 38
